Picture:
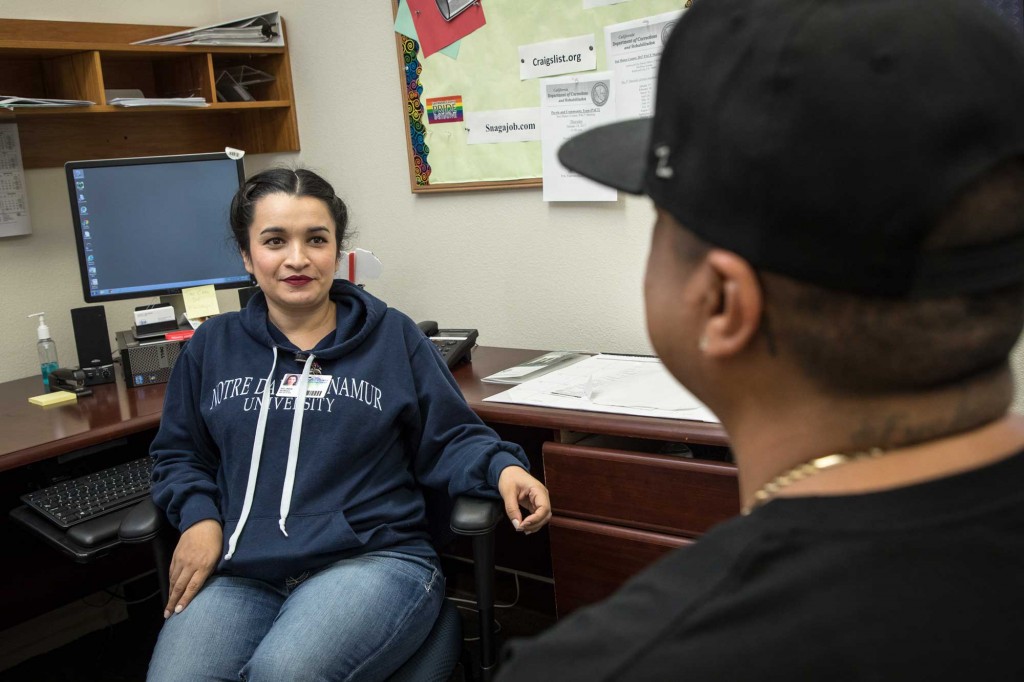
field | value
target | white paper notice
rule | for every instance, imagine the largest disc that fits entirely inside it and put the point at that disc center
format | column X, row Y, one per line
column 502, row 125
column 591, row 4
column 614, row 384
column 570, row 105
column 633, row 50
column 555, row 57
column 13, row 196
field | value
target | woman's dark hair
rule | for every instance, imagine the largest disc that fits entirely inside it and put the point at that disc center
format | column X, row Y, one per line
column 297, row 183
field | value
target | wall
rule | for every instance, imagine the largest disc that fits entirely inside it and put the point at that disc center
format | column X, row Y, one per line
column 39, row 272
column 526, row 273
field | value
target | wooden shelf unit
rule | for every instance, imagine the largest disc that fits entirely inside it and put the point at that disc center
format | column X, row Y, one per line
column 78, row 60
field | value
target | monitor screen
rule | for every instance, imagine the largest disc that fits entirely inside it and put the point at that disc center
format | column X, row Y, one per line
column 155, row 225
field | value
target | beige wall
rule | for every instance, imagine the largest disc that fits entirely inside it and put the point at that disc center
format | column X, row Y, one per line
column 526, row 273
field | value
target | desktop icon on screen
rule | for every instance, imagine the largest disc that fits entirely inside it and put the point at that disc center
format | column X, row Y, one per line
column 79, row 173
column 94, row 282
column 81, row 197
column 85, row 222
column 79, row 185
column 84, row 209
column 90, row 258
column 86, row 234
column 92, row 270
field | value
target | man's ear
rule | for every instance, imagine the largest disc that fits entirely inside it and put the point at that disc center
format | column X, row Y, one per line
column 734, row 322
column 246, row 261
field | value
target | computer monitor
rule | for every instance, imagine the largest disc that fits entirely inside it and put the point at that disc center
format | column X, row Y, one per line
column 152, row 226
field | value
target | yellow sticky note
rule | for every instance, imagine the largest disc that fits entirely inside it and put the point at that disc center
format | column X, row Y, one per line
column 200, row 301
column 55, row 398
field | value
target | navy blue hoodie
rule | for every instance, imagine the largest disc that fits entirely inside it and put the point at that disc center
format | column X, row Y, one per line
column 299, row 484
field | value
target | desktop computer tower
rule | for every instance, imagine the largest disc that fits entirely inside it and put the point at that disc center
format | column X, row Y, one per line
column 147, row 363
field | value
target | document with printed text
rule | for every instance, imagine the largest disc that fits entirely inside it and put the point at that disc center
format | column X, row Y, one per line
column 569, row 106
column 618, row 384
column 633, row 50
column 14, row 219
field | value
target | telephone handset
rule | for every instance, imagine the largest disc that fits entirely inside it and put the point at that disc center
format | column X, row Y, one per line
column 454, row 345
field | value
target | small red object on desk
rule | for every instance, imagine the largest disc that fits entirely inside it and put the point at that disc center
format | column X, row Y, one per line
column 180, row 335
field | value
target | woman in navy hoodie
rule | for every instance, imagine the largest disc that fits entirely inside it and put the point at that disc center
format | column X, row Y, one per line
column 304, row 550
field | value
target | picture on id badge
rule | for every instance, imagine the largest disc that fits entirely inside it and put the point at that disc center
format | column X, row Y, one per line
column 316, row 385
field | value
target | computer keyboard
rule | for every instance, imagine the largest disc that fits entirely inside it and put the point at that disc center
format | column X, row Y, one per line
column 79, row 499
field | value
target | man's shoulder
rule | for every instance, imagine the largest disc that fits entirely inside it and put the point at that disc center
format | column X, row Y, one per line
column 867, row 589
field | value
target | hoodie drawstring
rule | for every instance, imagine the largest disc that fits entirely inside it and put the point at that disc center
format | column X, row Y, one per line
column 254, row 461
column 293, row 445
column 257, row 451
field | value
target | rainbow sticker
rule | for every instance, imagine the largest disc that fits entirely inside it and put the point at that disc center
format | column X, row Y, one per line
column 444, row 109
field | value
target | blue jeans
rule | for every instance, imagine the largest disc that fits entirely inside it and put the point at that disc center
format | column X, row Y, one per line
column 357, row 619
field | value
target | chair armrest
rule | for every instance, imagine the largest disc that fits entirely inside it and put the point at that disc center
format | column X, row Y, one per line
column 475, row 515
column 142, row 523
column 478, row 517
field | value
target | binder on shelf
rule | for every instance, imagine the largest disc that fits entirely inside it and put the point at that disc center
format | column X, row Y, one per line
column 260, row 29
column 158, row 102
column 15, row 102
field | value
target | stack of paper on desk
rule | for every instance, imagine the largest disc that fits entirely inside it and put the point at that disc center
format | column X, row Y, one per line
column 618, row 384
column 535, row 367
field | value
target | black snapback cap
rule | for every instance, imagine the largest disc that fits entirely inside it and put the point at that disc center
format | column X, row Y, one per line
column 820, row 139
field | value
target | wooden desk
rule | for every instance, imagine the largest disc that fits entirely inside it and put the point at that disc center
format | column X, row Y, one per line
column 618, row 503
column 487, row 361
column 117, row 421
column 32, row 433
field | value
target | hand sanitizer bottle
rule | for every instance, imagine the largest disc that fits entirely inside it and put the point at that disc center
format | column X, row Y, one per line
column 47, row 350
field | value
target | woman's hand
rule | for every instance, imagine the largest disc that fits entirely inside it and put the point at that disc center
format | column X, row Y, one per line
column 194, row 559
column 519, row 489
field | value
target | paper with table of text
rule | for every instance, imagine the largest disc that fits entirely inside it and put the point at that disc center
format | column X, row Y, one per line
column 633, row 50
column 14, row 219
column 569, row 106
column 617, row 384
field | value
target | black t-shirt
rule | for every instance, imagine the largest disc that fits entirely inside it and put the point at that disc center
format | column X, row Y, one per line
column 924, row 582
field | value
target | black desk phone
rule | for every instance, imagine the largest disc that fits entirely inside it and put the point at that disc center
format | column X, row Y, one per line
column 454, row 345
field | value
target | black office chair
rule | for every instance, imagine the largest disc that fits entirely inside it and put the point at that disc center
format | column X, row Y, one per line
column 437, row 657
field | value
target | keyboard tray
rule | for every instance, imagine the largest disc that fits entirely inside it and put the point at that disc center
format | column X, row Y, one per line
column 64, row 541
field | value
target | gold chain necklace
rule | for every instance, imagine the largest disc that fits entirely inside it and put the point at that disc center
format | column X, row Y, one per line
column 806, row 470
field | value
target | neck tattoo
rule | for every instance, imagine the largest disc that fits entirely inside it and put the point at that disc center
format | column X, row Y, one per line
column 806, row 470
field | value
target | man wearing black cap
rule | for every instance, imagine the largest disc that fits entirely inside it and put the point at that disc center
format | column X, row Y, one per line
column 837, row 271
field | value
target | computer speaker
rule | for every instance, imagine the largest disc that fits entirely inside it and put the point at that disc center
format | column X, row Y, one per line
column 91, row 337
column 245, row 294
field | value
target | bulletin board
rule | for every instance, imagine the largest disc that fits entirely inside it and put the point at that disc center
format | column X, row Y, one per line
column 486, row 76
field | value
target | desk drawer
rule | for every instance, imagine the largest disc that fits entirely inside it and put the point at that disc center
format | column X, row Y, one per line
column 592, row 560
column 653, row 492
